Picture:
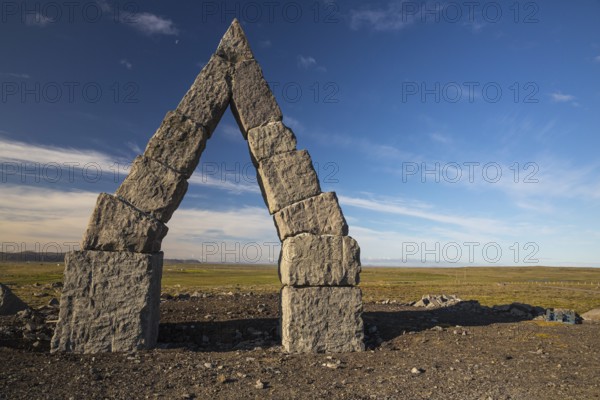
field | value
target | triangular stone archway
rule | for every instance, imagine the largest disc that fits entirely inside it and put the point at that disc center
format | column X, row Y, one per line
column 111, row 295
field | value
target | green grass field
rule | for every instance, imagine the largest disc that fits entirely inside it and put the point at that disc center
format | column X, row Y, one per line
column 576, row 288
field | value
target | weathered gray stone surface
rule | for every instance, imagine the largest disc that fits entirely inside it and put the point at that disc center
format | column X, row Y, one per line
column 321, row 319
column 269, row 140
column 319, row 260
column 234, row 46
column 209, row 96
column 252, row 102
column 178, row 143
column 319, row 215
column 109, row 303
column 287, row 178
column 118, row 226
column 10, row 304
column 153, row 188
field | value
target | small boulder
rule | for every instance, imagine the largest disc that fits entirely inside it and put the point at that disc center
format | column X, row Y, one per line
column 10, row 304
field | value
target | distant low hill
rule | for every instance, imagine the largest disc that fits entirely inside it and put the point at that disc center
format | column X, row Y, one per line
column 32, row 256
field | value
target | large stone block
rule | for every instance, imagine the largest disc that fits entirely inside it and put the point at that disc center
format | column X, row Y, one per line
column 287, row 178
column 153, row 188
column 109, row 303
column 321, row 319
column 209, row 96
column 252, row 102
column 269, row 140
column 118, row 226
column 234, row 46
column 178, row 143
column 10, row 304
column 319, row 215
column 319, row 260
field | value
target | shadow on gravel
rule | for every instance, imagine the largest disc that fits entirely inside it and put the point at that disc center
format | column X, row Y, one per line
column 237, row 334
column 383, row 326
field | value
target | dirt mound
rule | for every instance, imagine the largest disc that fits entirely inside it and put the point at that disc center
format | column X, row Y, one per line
column 592, row 315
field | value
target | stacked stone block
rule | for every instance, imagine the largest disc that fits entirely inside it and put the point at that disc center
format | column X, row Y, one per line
column 111, row 294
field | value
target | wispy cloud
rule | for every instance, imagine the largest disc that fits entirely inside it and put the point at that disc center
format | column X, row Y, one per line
column 15, row 75
column 559, row 97
column 134, row 147
column 597, row 59
column 144, row 22
column 438, row 137
column 38, row 20
column 309, row 62
column 16, row 151
column 20, row 157
column 265, row 44
column 224, row 184
column 293, row 123
column 377, row 151
column 30, row 218
column 104, row 5
column 396, row 16
column 306, row 62
column 150, row 24
column 241, row 232
column 231, row 132
column 126, row 64
column 33, row 215
column 474, row 224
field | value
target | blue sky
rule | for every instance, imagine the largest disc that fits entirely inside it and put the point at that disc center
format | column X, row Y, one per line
column 454, row 133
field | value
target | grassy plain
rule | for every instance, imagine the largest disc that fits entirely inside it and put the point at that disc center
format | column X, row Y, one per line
column 576, row 288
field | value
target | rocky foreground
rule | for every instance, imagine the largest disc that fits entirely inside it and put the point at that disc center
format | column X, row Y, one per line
column 227, row 346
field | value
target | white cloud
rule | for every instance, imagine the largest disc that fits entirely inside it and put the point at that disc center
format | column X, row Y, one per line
column 377, row 151
column 134, row 147
column 293, row 123
column 145, row 22
column 38, row 20
column 126, row 63
column 21, row 152
column 245, row 234
column 231, row 187
column 16, row 75
column 549, row 179
column 473, row 224
column 559, row 97
column 150, row 24
column 438, row 137
column 104, row 6
column 397, row 16
column 34, row 219
column 306, row 62
column 231, row 132
column 20, row 157
column 35, row 215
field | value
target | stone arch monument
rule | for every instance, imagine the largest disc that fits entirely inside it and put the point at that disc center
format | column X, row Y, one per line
column 111, row 294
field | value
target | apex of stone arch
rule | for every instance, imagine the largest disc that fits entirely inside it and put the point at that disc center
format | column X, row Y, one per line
column 234, row 45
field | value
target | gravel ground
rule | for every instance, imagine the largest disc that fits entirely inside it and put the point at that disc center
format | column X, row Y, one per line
column 225, row 346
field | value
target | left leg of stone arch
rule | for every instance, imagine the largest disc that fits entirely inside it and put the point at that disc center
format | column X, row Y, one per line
column 111, row 294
